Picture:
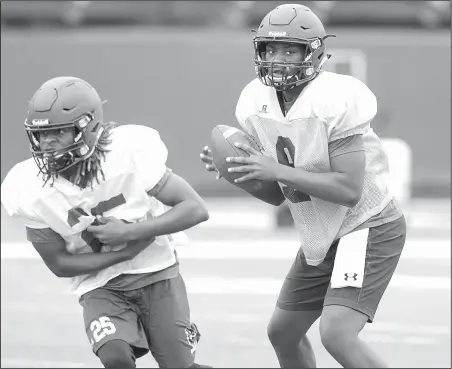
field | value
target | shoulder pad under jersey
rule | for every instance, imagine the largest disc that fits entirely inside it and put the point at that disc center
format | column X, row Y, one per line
column 147, row 151
column 346, row 104
column 19, row 191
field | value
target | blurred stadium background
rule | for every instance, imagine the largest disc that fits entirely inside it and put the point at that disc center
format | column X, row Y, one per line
column 179, row 67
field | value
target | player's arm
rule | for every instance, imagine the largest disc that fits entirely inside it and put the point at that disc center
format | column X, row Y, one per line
column 187, row 209
column 343, row 185
column 52, row 249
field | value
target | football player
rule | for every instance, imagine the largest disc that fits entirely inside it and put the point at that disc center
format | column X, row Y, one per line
column 314, row 127
column 95, row 215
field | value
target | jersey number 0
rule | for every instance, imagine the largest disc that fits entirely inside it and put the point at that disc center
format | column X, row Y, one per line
column 285, row 150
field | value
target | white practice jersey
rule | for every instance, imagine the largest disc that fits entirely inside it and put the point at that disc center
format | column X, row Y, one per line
column 135, row 164
column 331, row 107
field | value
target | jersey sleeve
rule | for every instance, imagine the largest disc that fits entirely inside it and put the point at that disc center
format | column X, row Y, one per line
column 18, row 194
column 156, row 189
column 353, row 111
column 345, row 145
column 149, row 156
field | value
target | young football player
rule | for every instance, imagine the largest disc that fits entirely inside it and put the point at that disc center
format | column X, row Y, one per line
column 314, row 127
column 95, row 214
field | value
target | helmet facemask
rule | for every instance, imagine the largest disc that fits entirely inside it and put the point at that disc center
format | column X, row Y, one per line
column 53, row 162
column 302, row 72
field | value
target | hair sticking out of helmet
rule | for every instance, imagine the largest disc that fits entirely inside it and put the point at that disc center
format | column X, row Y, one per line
column 63, row 103
column 293, row 24
column 88, row 170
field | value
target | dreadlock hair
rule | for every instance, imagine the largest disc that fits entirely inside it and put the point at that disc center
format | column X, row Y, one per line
column 86, row 171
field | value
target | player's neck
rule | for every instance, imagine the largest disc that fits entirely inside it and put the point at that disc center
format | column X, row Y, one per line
column 287, row 98
column 68, row 173
column 291, row 95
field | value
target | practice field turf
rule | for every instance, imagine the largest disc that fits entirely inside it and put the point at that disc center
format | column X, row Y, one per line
column 233, row 272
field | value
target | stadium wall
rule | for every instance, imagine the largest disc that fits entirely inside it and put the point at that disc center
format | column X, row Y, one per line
column 184, row 82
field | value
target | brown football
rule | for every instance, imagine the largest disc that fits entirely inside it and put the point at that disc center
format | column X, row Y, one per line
column 222, row 146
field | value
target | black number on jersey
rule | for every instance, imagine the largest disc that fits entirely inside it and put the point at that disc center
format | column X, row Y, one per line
column 75, row 213
column 285, row 150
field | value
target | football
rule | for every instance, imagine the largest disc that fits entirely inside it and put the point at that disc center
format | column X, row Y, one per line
column 222, row 146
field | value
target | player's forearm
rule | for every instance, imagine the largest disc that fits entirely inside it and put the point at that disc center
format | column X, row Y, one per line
column 338, row 188
column 180, row 217
column 69, row 265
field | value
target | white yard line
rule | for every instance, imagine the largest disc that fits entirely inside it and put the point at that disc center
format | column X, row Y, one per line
column 272, row 249
column 269, row 286
column 265, row 219
column 254, row 250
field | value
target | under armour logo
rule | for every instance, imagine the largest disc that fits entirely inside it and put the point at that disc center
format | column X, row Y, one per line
column 264, row 109
column 352, row 276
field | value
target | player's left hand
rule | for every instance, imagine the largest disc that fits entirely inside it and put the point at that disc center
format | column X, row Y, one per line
column 257, row 165
column 111, row 231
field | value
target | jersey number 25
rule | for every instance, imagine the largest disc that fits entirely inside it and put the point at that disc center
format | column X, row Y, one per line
column 75, row 213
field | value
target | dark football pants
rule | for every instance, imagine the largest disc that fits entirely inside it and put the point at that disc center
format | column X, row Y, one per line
column 155, row 317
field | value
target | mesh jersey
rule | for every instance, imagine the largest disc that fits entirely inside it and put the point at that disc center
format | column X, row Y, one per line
column 135, row 164
column 331, row 107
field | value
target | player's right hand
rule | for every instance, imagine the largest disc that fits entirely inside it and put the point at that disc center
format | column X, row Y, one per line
column 133, row 248
column 206, row 157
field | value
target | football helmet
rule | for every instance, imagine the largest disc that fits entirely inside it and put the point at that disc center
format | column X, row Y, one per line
column 64, row 102
column 296, row 24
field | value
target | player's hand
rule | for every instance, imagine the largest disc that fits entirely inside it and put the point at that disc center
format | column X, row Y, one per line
column 206, row 157
column 136, row 246
column 256, row 166
column 110, row 231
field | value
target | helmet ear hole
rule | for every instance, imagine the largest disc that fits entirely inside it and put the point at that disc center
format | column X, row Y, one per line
column 321, row 56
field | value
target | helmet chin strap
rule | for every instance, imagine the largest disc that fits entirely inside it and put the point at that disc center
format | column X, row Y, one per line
column 87, row 155
column 72, row 162
column 324, row 60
